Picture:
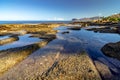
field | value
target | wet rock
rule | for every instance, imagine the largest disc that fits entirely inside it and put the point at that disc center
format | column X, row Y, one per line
column 103, row 70
column 11, row 57
column 45, row 36
column 48, row 37
column 119, row 30
column 66, row 32
column 112, row 50
column 83, row 24
column 75, row 28
column 36, row 35
column 8, row 40
column 104, row 30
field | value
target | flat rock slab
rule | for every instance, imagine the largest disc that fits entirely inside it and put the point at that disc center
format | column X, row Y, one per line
column 34, row 65
column 55, row 53
column 74, row 67
column 13, row 56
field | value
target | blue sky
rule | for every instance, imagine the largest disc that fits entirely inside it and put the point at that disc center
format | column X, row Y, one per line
column 56, row 9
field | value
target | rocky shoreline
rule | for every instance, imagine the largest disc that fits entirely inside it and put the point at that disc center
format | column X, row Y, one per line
column 106, row 29
column 54, row 65
column 51, row 65
column 13, row 56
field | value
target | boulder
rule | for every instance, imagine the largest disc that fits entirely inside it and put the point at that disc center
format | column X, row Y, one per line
column 75, row 28
column 112, row 50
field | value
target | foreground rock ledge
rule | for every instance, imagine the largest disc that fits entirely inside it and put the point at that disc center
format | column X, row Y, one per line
column 71, row 67
column 74, row 67
column 11, row 57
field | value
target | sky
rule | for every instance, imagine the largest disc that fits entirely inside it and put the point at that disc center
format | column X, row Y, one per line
column 56, row 9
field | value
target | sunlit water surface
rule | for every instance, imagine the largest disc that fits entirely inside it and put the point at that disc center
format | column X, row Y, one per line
column 91, row 42
column 23, row 41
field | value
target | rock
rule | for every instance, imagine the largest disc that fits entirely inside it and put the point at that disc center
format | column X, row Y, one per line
column 66, row 32
column 8, row 40
column 112, row 50
column 48, row 36
column 103, row 70
column 119, row 30
column 74, row 67
column 11, row 57
column 104, row 29
column 21, row 32
column 75, row 28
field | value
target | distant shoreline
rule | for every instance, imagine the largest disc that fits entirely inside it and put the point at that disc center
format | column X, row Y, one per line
column 31, row 22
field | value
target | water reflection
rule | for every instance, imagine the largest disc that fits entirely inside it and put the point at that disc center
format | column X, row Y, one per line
column 3, row 37
column 91, row 42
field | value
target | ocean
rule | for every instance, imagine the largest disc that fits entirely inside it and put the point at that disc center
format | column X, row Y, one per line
column 31, row 22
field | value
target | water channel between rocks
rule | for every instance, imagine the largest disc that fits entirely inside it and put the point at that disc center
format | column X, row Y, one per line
column 23, row 41
column 91, row 42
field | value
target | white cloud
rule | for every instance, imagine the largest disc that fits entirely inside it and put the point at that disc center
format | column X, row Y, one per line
column 57, row 19
column 100, row 14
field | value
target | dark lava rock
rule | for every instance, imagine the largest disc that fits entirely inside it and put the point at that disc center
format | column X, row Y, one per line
column 105, row 30
column 66, row 32
column 48, row 37
column 75, row 28
column 119, row 30
column 112, row 50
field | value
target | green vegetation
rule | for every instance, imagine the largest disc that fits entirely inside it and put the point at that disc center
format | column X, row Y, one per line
column 113, row 18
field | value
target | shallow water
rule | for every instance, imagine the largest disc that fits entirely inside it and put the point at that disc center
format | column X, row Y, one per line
column 23, row 41
column 3, row 37
column 89, row 39
column 91, row 42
